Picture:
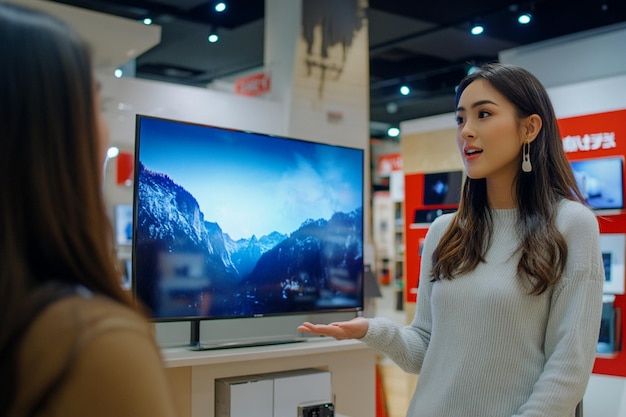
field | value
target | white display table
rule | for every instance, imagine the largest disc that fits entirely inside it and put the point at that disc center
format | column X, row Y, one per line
column 352, row 364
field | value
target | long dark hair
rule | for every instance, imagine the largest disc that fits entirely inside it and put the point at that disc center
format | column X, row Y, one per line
column 543, row 248
column 53, row 221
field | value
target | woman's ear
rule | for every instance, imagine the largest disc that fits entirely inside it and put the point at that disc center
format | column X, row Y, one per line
column 531, row 127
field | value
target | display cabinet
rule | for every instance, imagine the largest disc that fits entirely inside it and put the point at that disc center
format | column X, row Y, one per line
column 192, row 374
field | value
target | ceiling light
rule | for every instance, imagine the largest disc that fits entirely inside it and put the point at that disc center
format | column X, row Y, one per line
column 393, row 132
column 472, row 69
column 118, row 73
column 113, row 152
column 405, row 90
column 147, row 21
column 220, row 7
column 477, row 28
column 391, row 107
column 524, row 18
column 213, row 38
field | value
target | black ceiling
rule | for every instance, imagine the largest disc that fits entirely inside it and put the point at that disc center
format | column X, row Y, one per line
column 425, row 44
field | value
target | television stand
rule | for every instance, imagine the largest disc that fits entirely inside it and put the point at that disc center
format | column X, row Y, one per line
column 244, row 343
column 192, row 374
column 196, row 345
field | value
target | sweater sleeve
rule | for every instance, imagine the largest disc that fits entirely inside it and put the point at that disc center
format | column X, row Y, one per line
column 406, row 345
column 572, row 329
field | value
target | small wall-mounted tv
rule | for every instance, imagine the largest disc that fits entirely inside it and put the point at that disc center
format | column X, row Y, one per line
column 442, row 188
column 232, row 224
column 601, row 181
column 613, row 247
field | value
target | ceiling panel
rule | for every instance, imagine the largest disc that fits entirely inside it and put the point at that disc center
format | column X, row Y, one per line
column 426, row 42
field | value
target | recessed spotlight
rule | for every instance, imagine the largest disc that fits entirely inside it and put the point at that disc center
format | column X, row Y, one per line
column 477, row 29
column 213, row 38
column 113, row 151
column 118, row 73
column 405, row 90
column 391, row 107
column 147, row 21
column 524, row 18
column 393, row 132
column 220, row 7
column 472, row 69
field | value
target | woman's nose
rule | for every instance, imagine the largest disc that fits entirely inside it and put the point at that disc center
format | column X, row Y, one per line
column 466, row 131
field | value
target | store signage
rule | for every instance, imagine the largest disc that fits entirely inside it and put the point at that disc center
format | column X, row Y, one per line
column 125, row 164
column 389, row 163
column 589, row 142
column 600, row 134
column 253, row 85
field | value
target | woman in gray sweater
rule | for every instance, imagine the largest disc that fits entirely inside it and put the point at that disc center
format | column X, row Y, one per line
column 510, row 293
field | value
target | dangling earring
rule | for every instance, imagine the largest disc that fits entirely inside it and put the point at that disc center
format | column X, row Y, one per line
column 526, row 165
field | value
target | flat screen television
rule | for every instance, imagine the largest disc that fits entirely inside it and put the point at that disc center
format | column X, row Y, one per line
column 601, row 181
column 232, row 224
column 442, row 188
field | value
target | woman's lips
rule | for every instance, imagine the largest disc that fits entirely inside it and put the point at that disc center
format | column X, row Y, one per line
column 472, row 153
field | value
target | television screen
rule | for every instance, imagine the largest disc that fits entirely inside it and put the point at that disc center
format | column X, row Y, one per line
column 606, row 339
column 232, row 223
column 443, row 188
column 600, row 181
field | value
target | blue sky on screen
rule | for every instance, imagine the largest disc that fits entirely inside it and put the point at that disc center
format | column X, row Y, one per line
column 252, row 184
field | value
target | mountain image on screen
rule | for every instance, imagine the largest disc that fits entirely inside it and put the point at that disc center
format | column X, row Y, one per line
column 187, row 266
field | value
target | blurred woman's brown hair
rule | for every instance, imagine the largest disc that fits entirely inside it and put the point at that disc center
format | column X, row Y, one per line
column 54, row 230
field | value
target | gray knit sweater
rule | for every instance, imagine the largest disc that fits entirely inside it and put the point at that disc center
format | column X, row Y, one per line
column 483, row 347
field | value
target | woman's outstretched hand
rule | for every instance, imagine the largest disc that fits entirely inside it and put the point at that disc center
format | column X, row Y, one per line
column 352, row 329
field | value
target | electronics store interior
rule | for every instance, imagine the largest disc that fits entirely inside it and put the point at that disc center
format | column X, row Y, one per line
column 278, row 162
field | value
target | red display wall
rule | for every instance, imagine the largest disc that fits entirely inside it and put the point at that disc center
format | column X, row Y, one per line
column 584, row 138
column 413, row 233
column 598, row 136
column 419, row 211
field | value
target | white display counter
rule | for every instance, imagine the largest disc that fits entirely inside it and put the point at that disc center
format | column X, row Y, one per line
column 352, row 364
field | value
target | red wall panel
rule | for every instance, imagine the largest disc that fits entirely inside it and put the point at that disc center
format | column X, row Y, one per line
column 596, row 136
